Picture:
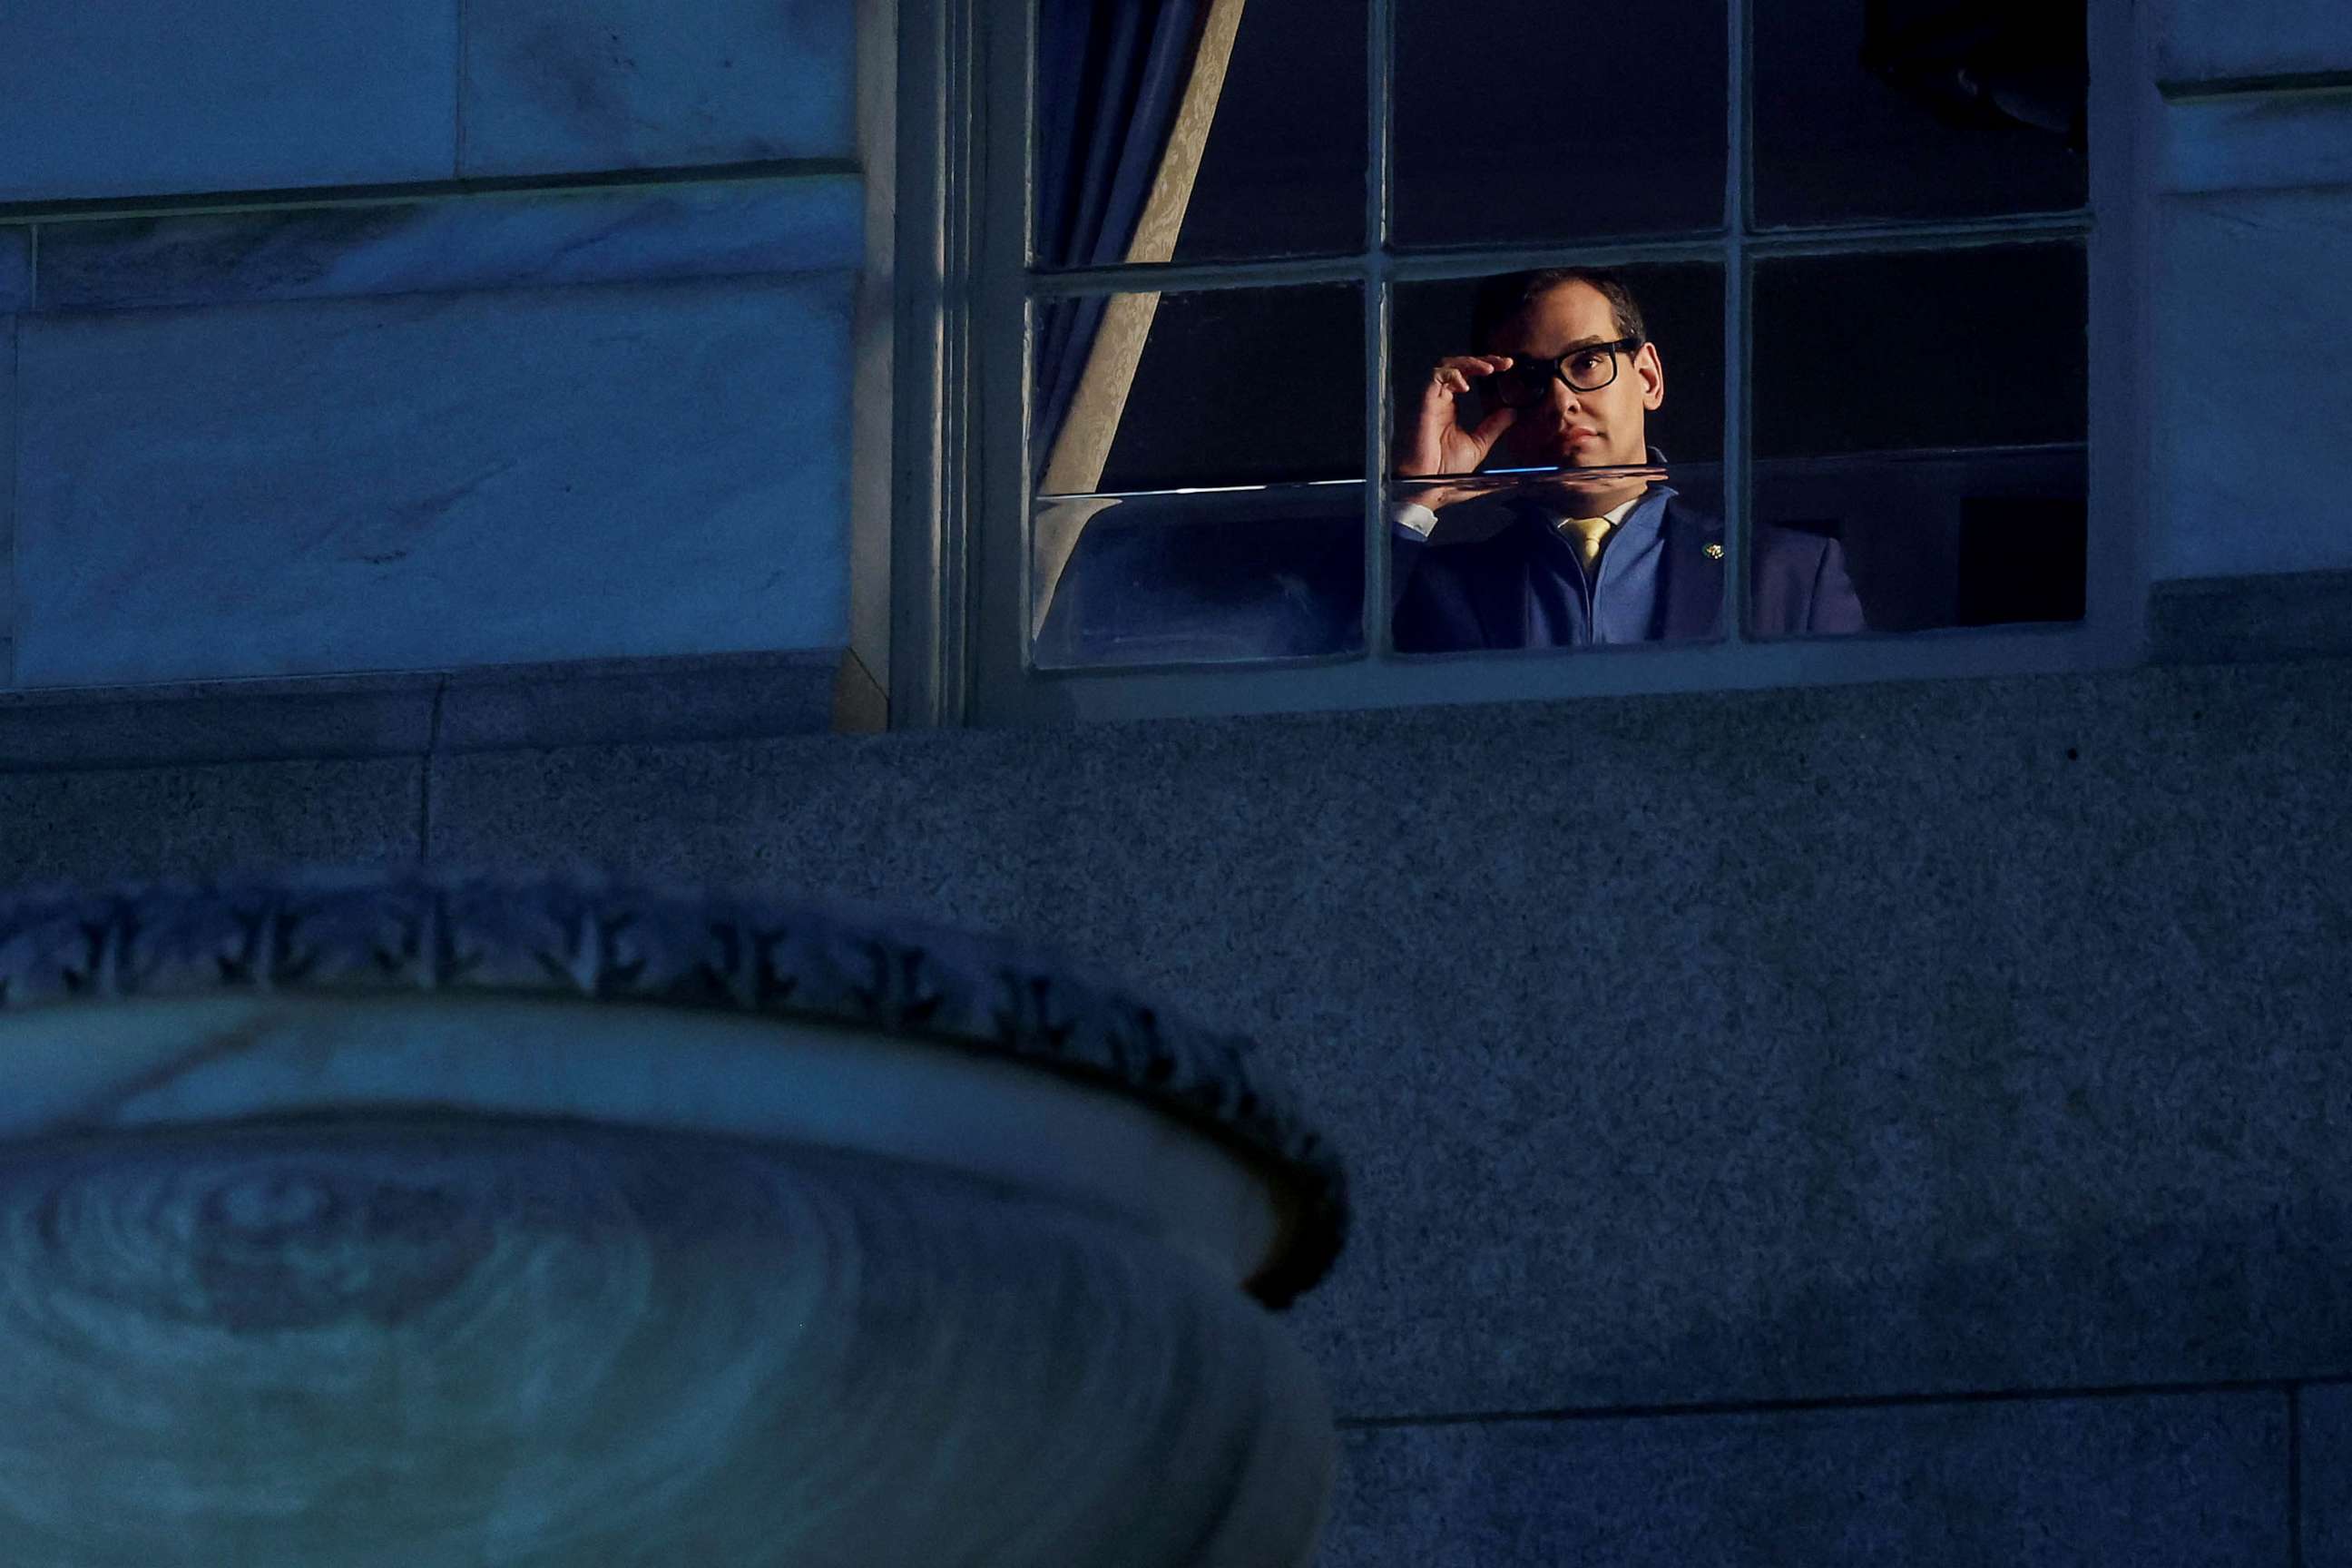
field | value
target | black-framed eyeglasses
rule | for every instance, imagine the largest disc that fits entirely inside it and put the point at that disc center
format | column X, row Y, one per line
column 1587, row 369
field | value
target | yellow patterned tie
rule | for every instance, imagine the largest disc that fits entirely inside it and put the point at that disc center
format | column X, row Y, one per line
column 1588, row 534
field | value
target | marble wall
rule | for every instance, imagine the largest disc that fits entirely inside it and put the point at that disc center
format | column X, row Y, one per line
column 2213, row 40
column 478, row 430
column 2255, row 329
column 7, row 471
column 15, row 294
column 568, row 85
column 374, row 416
column 432, row 480
column 2251, row 178
column 212, row 94
column 740, row 228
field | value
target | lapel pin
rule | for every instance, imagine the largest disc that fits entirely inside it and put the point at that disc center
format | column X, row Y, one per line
column 1715, row 553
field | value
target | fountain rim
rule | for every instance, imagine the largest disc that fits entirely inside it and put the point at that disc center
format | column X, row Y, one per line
column 576, row 934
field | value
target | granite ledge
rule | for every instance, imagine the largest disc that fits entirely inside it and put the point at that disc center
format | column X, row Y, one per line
column 700, row 697
column 421, row 713
column 2250, row 619
column 656, row 700
column 2152, row 1479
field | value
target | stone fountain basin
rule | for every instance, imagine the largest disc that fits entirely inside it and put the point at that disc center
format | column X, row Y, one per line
column 518, row 1265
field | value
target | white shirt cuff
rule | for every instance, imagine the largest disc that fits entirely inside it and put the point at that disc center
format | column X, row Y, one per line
column 1411, row 517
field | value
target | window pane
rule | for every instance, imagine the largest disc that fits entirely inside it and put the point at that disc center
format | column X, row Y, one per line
column 1256, row 393
column 1920, row 422
column 1530, row 404
column 1918, row 108
column 1264, row 572
column 1197, row 130
column 1529, row 120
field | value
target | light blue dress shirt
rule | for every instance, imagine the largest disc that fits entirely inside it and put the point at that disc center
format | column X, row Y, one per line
column 1619, row 603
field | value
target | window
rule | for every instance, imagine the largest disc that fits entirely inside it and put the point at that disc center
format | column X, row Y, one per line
column 1882, row 257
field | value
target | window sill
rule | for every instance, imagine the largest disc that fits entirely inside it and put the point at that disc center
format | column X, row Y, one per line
column 2211, row 620
column 2234, row 619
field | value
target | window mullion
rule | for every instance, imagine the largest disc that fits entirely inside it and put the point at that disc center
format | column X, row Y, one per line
column 989, row 579
column 2125, row 113
column 939, row 455
column 1378, row 677
column 1187, row 277
column 1378, row 304
column 1737, row 316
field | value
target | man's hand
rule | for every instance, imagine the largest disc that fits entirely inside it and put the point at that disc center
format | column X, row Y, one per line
column 1431, row 440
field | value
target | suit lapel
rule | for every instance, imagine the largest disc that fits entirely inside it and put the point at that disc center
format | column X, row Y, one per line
column 1690, row 599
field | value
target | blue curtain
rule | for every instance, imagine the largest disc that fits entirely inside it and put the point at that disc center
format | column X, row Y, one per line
column 1110, row 75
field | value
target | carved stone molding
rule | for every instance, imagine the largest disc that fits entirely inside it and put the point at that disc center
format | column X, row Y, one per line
column 337, row 931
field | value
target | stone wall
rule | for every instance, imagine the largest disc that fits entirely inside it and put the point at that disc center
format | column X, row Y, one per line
column 2252, row 177
column 1904, row 1122
column 1888, row 1122
column 359, row 338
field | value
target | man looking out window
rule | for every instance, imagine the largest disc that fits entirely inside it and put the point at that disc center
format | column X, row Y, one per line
column 1596, row 547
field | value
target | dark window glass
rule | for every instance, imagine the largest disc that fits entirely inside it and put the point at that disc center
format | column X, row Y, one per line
column 1262, row 572
column 1532, row 408
column 1530, row 120
column 1220, row 386
column 1920, row 422
column 1892, row 352
column 1197, row 130
column 1918, row 108
column 1256, row 395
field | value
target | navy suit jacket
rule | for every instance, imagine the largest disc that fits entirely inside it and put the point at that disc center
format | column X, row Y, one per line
column 1475, row 593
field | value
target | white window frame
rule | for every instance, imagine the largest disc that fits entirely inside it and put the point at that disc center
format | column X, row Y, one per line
column 960, row 555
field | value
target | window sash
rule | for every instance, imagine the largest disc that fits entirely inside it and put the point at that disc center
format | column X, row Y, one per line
column 1002, row 687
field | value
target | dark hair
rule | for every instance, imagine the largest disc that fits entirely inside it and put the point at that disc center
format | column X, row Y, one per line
column 1500, row 299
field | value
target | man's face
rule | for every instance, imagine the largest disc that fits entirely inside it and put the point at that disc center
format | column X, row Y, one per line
column 1571, row 428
